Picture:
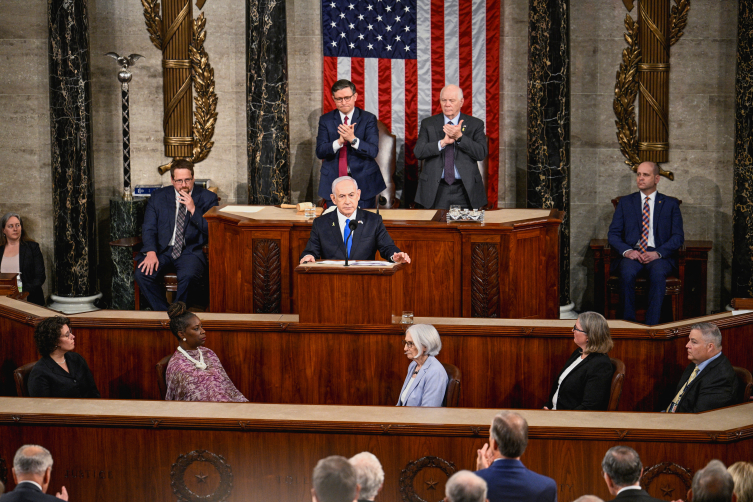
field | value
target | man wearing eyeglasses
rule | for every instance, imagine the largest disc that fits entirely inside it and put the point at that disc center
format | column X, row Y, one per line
column 348, row 143
column 174, row 235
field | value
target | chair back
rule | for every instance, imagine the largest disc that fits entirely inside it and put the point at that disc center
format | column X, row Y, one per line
column 745, row 382
column 452, row 394
column 386, row 159
column 161, row 381
column 21, row 376
column 617, row 379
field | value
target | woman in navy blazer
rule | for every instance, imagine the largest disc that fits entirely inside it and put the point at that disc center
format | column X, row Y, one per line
column 14, row 242
column 426, row 382
column 586, row 379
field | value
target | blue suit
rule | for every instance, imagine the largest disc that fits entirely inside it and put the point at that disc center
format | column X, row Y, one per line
column 429, row 387
column 363, row 168
column 27, row 492
column 157, row 232
column 624, row 234
column 508, row 480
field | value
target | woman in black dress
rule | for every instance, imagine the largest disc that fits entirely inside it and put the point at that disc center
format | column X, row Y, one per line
column 18, row 253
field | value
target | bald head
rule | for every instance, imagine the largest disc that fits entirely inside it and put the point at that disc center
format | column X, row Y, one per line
column 32, row 463
column 465, row 486
column 451, row 99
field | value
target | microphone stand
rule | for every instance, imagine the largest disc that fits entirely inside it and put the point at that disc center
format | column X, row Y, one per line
column 352, row 226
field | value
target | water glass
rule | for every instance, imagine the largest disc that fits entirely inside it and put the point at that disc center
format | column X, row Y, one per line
column 407, row 317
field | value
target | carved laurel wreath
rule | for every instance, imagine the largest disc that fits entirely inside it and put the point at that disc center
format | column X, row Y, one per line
column 178, row 472
column 202, row 75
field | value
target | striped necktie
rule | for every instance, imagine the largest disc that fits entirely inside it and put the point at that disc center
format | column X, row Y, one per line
column 180, row 232
column 673, row 405
column 645, row 223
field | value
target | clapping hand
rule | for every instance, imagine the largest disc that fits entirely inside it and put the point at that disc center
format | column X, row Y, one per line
column 453, row 131
column 484, row 457
column 347, row 133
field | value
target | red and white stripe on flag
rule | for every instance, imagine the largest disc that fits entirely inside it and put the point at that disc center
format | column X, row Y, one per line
column 457, row 43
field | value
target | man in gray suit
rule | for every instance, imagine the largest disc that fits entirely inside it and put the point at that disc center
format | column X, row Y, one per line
column 451, row 144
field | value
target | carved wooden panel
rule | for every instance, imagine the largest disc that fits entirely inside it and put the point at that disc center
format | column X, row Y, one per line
column 201, row 476
column 667, row 481
column 485, row 280
column 267, row 277
column 425, row 476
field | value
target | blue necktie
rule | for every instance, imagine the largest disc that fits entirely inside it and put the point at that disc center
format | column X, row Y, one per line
column 346, row 233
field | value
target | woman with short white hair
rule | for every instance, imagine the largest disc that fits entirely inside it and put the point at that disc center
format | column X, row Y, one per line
column 426, row 382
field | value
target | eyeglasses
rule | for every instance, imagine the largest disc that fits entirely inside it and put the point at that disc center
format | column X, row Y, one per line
column 575, row 328
column 67, row 335
column 409, row 344
column 343, row 99
column 183, row 182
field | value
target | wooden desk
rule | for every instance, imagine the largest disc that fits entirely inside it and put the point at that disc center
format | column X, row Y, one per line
column 507, row 267
column 135, row 450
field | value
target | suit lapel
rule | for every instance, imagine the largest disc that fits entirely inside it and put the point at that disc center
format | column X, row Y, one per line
column 171, row 208
column 22, row 249
column 334, row 228
column 55, row 367
column 658, row 206
column 706, row 371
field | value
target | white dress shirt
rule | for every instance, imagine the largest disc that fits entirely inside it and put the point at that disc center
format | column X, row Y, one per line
column 336, row 144
column 177, row 208
column 341, row 220
column 562, row 378
column 631, row 487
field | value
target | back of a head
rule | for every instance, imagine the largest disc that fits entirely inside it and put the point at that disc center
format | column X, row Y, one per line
column 713, row 483
column 623, row 465
column 335, row 480
column 588, row 498
column 510, row 432
column 369, row 474
column 31, row 461
column 465, row 486
column 742, row 475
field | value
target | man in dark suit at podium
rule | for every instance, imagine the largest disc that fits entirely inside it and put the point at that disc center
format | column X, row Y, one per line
column 174, row 235
column 622, row 469
column 32, row 468
column 329, row 231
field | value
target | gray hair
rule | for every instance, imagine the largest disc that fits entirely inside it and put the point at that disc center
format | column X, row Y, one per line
column 369, row 473
column 465, row 486
column 335, row 480
column 710, row 333
column 510, row 431
column 426, row 339
column 713, row 483
column 460, row 91
column 623, row 465
column 588, row 498
column 343, row 178
column 35, row 462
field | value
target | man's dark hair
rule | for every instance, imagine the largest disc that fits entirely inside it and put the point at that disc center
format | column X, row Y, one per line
column 713, row 483
column 623, row 465
column 47, row 334
column 335, row 480
column 343, row 84
column 510, row 431
column 181, row 164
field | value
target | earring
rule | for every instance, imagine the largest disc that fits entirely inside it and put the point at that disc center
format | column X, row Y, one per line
column 184, row 339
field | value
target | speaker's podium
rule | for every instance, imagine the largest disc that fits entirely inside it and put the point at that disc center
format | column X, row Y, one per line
column 364, row 292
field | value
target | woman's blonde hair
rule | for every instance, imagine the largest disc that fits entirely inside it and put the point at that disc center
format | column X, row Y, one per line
column 597, row 332
column 742, row 475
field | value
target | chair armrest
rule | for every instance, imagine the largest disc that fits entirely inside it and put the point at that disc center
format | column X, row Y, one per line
column 127, row 242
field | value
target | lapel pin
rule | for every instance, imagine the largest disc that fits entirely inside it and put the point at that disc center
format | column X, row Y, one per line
column 333, row 223
column 360, row 222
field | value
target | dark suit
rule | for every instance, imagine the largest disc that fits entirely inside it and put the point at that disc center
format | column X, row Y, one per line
column 27, row 492
column 469, row 151
column 624, row 234
column 31, row 266
column 587, row 386
column 48, row 379
column 361, row 164
column 635, row 496
column 157, row 232
column 714, row 387
column 509, row 481
column 326, row 241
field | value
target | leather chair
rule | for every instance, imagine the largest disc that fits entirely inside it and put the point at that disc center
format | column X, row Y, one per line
column 161, row 367
column 387, row 160
column 745, row 382
column 21, row 376
column 452, row 394
column 617, row 380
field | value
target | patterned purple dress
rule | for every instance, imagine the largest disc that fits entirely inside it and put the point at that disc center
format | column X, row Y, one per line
column 185, row 382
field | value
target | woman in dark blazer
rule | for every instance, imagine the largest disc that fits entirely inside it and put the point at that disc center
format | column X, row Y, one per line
column 60, row 372
column 585, row 381
column 15, row 244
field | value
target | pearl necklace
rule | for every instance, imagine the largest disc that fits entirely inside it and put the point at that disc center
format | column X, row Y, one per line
column 199, row 364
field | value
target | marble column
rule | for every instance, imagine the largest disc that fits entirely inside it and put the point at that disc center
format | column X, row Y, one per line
column 267, row 102
column 126, row 219
column 548, row 156
column 74, row 221
column 742, row 218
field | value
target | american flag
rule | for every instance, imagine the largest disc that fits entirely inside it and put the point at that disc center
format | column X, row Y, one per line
column 400, row 53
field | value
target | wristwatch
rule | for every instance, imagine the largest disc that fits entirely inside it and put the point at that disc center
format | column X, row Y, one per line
column 353, row 143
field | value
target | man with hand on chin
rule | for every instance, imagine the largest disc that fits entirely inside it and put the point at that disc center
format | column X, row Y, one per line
column 329, row 231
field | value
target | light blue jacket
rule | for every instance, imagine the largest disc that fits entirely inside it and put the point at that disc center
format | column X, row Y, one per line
column 429, row 387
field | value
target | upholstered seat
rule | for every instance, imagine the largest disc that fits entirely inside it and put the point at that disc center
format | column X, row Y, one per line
column 745, row 383
column 161, row 367
column 618, row 378
column 21, row 376
column 452, row 394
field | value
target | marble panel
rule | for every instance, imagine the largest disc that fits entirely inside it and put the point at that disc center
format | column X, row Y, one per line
column 514, row 19
column 584, row 165
column 304, row 178
column 584, row 75
column 305, row 64
column 613, row 177
column 608, row 62
column 514, row 55
column 26, row 167
column 597, row 19
column 231, row 117
column 700, row 177
column 24, row 19
column 226, row 55
column 721, row 122
column 305, row 110
column 702, row 66
column 502, row 178
column 592, row 122
column 688, row 126
column 25, row 119
column 304, row 18
column 20, row 62
column 717, row 19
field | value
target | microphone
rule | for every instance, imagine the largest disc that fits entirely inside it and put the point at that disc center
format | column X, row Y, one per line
column 352, row 226
column 380, row 200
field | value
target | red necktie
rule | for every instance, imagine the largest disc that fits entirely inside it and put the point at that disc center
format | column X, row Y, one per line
column 343, row 161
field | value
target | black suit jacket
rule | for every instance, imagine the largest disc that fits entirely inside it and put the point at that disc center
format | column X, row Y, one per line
column 326, row 241
column 714, row 387
column 469, row 151
column 48, row 379
column 27, row 492
column 587, row 387
column 635, row 496
column 31, row 266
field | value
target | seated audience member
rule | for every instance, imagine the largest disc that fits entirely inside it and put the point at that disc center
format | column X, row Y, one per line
column 742, row 475
column 195, row 373
column 60, row 372
column 710, row 382
column 588, row 498
column 426, row 382
column 712, row 484
column 32, row 468
column 647, row 231
column 18, row 253
column 622, row 472
column 369, row 474
column 586, row 379
column 498, row 463
column 464, row 486
column 329, row 231
column 334, row 480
